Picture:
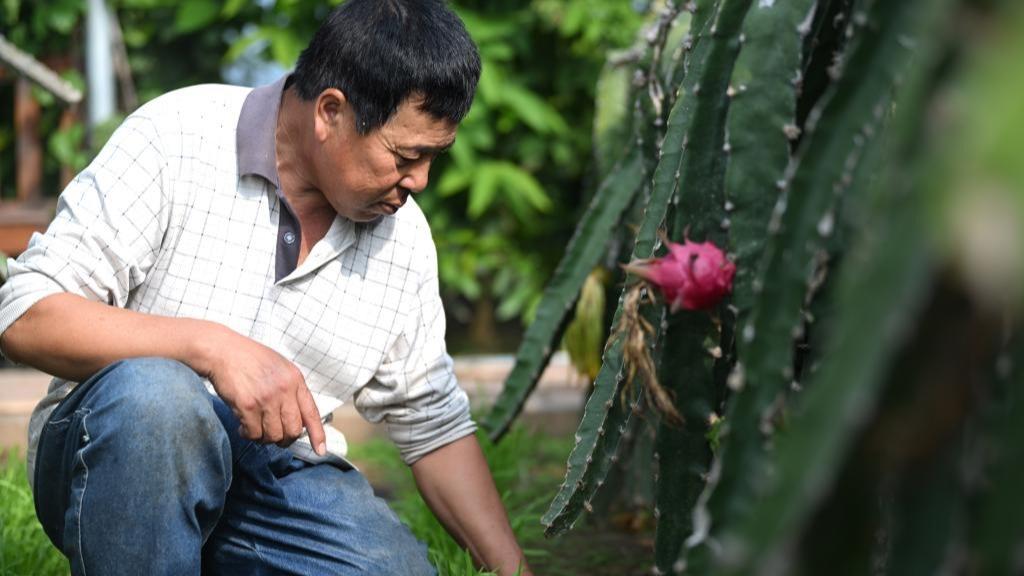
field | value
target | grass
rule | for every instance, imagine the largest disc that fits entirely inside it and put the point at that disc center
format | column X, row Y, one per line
column 526, row 468
column 24, row 548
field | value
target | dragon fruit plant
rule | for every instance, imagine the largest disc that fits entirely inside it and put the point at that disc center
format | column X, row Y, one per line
column 826, row 393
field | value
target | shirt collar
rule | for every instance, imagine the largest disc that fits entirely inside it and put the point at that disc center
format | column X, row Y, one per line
column 257, row 124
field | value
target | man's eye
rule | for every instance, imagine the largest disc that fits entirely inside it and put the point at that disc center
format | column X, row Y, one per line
column 404, row 160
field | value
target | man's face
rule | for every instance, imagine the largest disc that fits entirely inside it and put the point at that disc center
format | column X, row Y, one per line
column 366, row 176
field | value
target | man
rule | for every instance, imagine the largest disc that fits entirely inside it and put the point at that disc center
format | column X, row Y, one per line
column 251, row 243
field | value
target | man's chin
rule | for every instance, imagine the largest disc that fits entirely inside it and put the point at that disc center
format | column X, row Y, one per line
column 365, row 217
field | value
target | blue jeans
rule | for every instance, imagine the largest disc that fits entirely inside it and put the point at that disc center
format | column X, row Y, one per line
column 141, row 471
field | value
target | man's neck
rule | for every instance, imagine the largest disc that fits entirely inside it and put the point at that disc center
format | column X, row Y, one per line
column 315, row 214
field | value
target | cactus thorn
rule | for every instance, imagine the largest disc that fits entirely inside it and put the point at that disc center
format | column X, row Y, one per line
column 792, row 131
column 737, row 378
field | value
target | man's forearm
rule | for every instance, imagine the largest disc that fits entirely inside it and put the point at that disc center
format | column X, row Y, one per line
column 457, row 485
column 72, row 337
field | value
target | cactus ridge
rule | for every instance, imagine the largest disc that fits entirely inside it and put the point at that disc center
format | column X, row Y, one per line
column 604, row 421
column 625, row 181
column 856, row 103
column 683, row 452
column 605, row 415
column 585, row 250
column 756, row 44
column 877, row 288
column 762, row 118
column 698, row 209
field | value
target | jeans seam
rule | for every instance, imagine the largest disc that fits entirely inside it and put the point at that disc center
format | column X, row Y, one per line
column 81, row 502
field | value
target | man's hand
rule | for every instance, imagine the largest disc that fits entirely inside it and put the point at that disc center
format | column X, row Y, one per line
column 457, row 486
column 266, row 391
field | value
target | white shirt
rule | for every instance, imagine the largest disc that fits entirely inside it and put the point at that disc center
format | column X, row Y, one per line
column 165, row 223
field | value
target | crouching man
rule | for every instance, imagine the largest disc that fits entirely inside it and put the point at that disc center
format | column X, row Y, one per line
column 232, row 267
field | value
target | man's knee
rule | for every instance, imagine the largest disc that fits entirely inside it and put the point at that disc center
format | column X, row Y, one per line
column 157, row 394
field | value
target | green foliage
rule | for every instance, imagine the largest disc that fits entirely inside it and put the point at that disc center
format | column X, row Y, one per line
column 24, row 548
column 879, row 289
column 515, row 165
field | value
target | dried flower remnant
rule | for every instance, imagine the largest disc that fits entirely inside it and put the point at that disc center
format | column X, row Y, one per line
column 691, row 276
column 636, row 333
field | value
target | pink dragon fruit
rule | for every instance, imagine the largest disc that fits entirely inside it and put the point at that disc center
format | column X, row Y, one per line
column 692, row 276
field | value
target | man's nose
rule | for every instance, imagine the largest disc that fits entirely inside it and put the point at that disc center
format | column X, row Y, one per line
column 416, row 177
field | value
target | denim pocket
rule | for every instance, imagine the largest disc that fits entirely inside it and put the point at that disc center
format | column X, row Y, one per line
column 59, row 444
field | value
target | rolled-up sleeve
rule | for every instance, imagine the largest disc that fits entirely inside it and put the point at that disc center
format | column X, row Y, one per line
column 107, row 230
column 415, row 392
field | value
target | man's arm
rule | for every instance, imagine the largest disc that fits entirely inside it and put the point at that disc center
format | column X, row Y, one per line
column 457, row 486
column 72, row 337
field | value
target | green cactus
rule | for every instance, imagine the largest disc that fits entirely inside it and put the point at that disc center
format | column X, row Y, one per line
column 793, row 136
column 606, row 416
column 826, row 170
column 625, row 180
column 881, row 282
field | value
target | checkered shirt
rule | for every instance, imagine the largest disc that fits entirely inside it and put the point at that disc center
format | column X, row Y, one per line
column 165, row 223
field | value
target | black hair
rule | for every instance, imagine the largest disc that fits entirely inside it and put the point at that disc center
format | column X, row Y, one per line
column 380, row 52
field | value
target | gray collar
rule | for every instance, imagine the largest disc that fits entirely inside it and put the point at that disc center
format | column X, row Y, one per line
column 257, row 124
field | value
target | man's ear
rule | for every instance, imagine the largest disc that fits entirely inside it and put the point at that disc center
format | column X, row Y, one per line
column 331, row 111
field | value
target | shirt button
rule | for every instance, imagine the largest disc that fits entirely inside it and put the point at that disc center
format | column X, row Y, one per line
column 289, row 237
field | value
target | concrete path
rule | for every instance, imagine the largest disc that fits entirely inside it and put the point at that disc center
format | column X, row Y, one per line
column 554, row 406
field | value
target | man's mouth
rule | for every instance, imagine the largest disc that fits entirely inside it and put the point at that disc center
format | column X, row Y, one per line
column 390, row 207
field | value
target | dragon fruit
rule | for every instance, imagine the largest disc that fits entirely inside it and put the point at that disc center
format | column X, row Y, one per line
column 691, row 276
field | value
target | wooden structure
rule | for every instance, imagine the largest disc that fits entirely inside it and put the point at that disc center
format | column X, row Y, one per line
column 30, row 211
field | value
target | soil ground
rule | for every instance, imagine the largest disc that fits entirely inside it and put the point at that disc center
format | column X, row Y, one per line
column 597, row 551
